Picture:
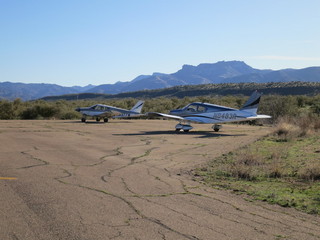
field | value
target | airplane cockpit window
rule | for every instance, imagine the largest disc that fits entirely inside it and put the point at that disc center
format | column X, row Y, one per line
column 201, row 109
column 192, row 108
column 195, row 108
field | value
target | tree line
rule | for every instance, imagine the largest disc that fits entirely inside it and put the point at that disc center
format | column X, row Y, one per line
column 274, row 105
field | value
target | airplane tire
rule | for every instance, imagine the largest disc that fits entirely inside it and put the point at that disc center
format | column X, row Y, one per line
column 216, row 127
column 83, row 120
column 98, row 119
column 186, row 130
column 106, row 120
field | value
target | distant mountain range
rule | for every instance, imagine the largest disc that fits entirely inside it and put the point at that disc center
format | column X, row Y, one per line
column 220, row 72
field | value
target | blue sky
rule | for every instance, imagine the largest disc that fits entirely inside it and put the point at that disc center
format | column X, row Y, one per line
column 80, row 42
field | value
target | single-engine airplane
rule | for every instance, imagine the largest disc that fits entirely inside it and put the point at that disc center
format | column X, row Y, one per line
column 213, row 114
column 104, row 111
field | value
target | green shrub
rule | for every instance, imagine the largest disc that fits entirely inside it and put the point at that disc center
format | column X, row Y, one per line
column 6, row 110
column 69, row 115
column 40, row 111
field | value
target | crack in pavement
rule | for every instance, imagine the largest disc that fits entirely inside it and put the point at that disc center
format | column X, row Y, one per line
column 132, row 161
column 101, row 159
column 157, row 178
column 42, row 162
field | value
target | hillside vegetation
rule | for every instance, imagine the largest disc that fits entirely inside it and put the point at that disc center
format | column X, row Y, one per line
column 279, row 88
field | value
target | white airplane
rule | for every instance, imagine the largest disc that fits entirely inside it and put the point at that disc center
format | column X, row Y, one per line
column 104, row 111
column 213, row 114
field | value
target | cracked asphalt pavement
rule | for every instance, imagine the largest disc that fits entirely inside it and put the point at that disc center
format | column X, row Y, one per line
column 128, row 179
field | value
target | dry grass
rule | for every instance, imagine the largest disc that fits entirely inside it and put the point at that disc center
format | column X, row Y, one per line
column 282, row 168
column 288, row 128
column 316, row 124
column 242, row 166
column 274, row 168
column 311, row 172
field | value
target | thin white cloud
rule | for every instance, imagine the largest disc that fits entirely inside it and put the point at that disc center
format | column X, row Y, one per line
column 286, row 58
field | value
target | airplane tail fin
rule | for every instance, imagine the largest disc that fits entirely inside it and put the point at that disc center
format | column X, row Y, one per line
column 138, row 107
column 253, row 102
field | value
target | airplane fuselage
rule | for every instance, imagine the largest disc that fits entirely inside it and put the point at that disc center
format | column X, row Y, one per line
column 104, row 111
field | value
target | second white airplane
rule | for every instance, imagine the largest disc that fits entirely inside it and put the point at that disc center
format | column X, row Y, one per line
column 213, row 114
column 100, row 111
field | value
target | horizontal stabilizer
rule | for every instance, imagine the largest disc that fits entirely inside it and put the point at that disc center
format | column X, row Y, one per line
column 259, row 117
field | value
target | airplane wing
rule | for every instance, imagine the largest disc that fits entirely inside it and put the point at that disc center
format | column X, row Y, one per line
column 189, row 119
column 178, row 118
column 155, row 114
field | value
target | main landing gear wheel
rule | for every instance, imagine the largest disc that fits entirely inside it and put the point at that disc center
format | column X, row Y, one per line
column 83, row 120
column 98, row 119
column 184, row 127
column 216, row 127
column 106, row 120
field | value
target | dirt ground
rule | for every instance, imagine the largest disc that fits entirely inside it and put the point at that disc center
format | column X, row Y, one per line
column 128, row 179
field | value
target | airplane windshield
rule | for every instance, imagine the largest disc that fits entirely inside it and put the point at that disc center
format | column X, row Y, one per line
column 99, row 108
